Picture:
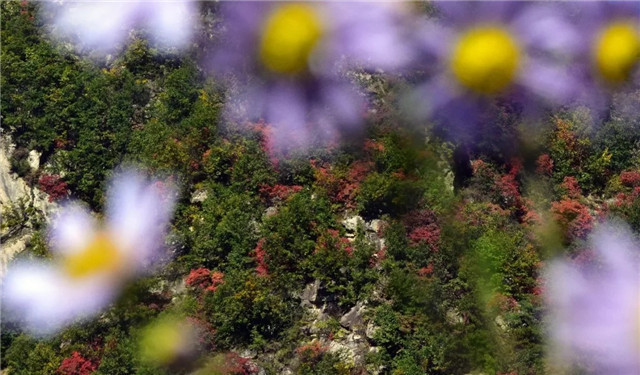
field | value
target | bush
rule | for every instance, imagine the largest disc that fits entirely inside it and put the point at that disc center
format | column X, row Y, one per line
column 53, row 186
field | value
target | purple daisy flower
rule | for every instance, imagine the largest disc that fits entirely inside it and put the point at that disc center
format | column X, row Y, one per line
column 91, row 263
column 104, row 25
column 606, row 57
column 295, row 55
column 475, row 52
column 594, row 306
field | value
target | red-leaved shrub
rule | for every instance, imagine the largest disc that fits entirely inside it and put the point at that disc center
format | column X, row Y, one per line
column 544, row 165
column 76, row 365
column 573, row 217
column 200, row 277
column 423, row 228
column 426, row 271
column 571, row 187
column 630, row 178
column 203, row 278
column 278, row 192
column 53, row 186
column 217, row 278
column 237, row 365
column 333, row 241
column 311, row 351
column 260, row 255
column 342, row 187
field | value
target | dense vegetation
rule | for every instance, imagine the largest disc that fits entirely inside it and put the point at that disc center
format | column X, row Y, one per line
column 453, row 288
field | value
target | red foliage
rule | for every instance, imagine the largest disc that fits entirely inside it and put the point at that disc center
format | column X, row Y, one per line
column 429, row 234
column 378, row 257
column 531, row 216
column 544, row 165
column 194, row 165
column 478, row 166
column 206, row 155
column 564, row 133
column 237, row 365
column 342, row 189
column 515, row 166
column 371, row 145
column 260, row 255
column 311, row 351
column 278, row 192
column 508, row 191
column 217, row 278
column 425, row 271
column 200, row 278
column 350, row 186
column 203, row 278
column 570, row 185
column 332, row 241
column 76, row 365
column 630, row 178
column 503, row 188
column 573, row 216
column 60, row 143
column 53, row 186
column 423, row 228
column 266, row 140
column 504, row 303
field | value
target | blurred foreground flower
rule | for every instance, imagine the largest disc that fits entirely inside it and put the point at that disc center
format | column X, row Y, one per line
column 104, row 25
column 595, row 306
column 174, row 342
column 607, row 54
column 477, row 51
column 293, row 53
column 91, row 263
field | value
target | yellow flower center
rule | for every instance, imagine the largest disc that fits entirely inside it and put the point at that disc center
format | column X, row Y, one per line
column 289, row 36
column 617, row 51
column 486, row 59
column 101, row 256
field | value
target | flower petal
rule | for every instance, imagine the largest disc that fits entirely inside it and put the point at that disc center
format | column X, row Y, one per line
column 548, row 81
column 138, row 214
column 99, row 25
column 171, row 22
column 72, row 229
column 45, row 300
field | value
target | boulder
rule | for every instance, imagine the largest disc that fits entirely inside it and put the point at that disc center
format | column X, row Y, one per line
column 375, row 225
column 310, row 293
column 351, row 223
column 353, row 318
column 34, row 160
column 199, row 196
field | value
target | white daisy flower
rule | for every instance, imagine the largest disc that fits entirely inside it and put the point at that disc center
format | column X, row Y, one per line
column 91, row 261
column 106, row 24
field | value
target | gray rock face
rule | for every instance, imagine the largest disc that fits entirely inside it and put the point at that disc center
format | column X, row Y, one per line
column 34, row 160
column 375, row 225
column 453, row 316
column 351, row 223
column 199, row 196
column 270, row 211
column 21, row 205
column 310, row 293
column 353, row 318
column 371, row 330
